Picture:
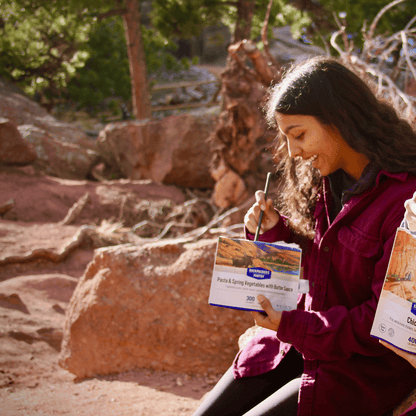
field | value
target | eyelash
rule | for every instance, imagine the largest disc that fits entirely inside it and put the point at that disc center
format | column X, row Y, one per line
column 300, row 136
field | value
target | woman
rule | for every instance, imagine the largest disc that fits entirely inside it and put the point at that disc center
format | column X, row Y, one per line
column 348, row 167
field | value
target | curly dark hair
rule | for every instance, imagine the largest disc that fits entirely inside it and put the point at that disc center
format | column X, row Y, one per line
column 336, row 97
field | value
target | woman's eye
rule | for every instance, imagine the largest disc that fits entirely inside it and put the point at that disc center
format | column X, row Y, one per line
column 300, row 136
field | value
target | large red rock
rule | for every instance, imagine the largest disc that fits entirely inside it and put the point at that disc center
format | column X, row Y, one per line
column 60, row 149
column 173, row 150
column 13, row 149
column 21, row 110
column 147, row 307
column 59, row 158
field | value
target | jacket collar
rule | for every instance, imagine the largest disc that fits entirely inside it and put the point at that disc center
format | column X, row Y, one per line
column 370, row 179
column 400, row 176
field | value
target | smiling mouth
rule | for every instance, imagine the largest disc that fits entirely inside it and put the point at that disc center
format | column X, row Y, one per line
column 312, row 159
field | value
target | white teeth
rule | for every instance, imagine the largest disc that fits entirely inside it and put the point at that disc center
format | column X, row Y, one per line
column 311, row 161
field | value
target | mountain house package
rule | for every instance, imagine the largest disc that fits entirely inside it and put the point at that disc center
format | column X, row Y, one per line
column 395, row 319
column 244, row 269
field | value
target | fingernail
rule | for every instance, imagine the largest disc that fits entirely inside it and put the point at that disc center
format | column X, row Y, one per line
column 260, row 298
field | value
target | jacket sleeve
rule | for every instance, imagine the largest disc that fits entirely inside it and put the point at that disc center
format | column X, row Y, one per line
column 338, row 333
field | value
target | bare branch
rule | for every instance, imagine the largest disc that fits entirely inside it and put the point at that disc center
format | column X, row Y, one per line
column 334, row 43
column 368, row 36
column 406, row 54
column 342, row 31
column 264, row 37
column 76, row 210
column 379, row 16
column 385, row 83
column 408, row 26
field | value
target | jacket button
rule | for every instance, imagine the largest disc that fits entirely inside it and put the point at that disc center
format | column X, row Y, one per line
column 326, row 249
column 282, row 352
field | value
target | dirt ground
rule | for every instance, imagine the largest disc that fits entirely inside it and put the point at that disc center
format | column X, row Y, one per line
column 31, row 381
column 33, row 297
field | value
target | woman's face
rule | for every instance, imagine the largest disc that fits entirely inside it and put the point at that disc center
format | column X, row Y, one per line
column 309, row 139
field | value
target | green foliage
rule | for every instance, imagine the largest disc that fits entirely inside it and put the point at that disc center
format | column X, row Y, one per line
column 40, row 46
column 47, row 45
column 57, row 46
column 186, row 18
column 158, row 50
column 282, row 13
column 106, row 72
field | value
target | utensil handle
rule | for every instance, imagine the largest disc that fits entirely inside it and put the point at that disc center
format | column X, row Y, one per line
column 266, row 190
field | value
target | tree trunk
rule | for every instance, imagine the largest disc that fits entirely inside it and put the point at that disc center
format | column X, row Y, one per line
column 243, row 145
column 137, row 61
column 242, row 142
column 245, row 11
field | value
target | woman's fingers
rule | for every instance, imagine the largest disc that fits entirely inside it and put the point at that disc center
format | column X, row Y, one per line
column 270, row 216
column 268, row 308
column 272, row 318
column 261, row 200
column 410, row 215
column 410, row 206
column 251, row 218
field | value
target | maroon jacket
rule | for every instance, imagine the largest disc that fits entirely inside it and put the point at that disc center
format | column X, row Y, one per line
column 346, row 371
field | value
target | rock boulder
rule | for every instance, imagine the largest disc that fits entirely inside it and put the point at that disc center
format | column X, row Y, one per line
column 21, row 110
column 173, row 150
column 60, row 149
column 59, row 158
column 147, row 307
column 14, row 150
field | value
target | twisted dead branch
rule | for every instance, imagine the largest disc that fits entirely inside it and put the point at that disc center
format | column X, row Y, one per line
column 265, row 39
column 76, row 210
column 379, row 60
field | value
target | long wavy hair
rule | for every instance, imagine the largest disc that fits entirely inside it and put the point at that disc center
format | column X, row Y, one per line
column 336, row 97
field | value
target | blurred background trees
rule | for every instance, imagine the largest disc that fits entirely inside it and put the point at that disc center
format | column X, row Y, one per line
column 76, row 50
column 42, row 47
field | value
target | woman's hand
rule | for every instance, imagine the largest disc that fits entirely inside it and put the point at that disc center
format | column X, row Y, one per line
column 269, row 321
column 270, row 216
column 406, row 355
column 410, row 214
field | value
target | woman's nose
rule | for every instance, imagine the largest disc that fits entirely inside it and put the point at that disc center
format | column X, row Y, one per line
column 294, row 149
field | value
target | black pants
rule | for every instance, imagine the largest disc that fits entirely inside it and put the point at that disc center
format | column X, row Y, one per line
column 274, row 393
